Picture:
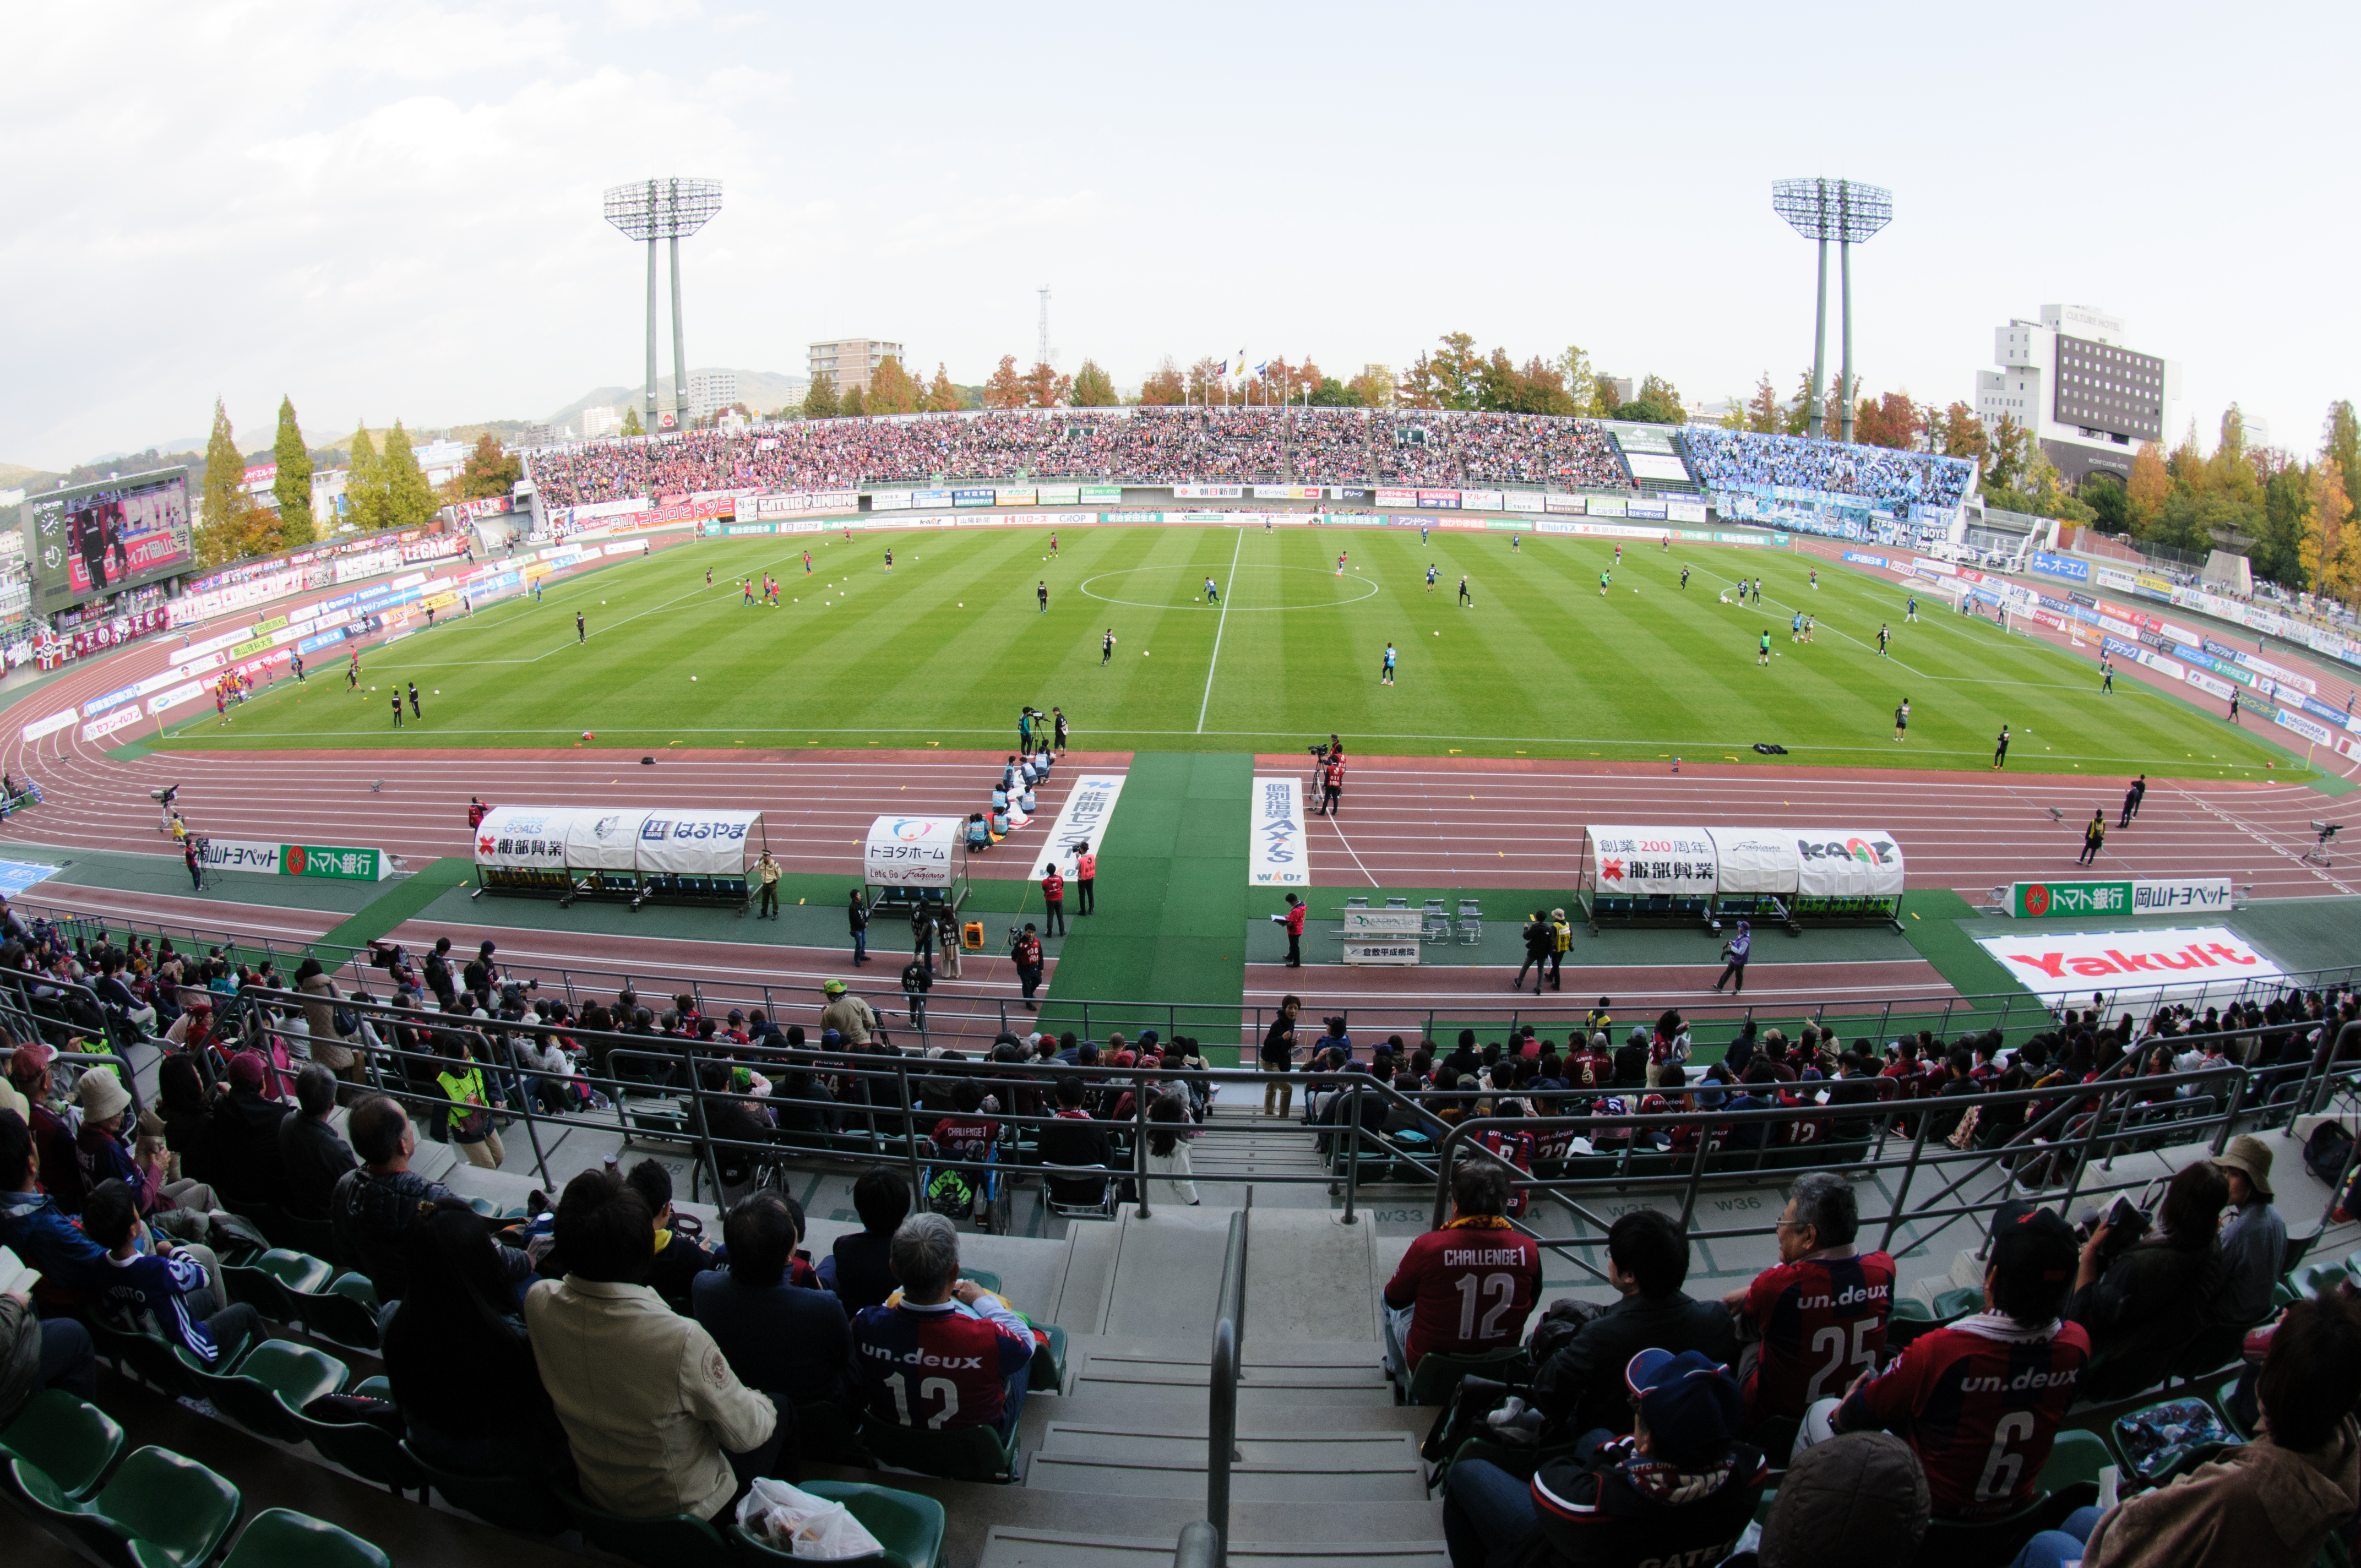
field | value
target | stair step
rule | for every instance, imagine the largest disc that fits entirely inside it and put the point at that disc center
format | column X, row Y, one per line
column 1360, row 1379
column 1013, row 1547
column 1169, row 1447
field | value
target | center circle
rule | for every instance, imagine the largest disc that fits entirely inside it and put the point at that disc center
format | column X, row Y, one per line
column 1196, row 583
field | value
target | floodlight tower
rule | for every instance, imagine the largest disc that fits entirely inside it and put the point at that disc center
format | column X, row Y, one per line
column 671, row 209
column 1045, row 324
column 1848, row 213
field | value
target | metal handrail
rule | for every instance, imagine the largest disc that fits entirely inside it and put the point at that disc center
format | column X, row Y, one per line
column 887, row 1108
column 1199, row 1546
column 2020, row 1014
column 1222, row 1384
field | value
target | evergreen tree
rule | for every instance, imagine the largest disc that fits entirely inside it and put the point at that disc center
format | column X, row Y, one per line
column 292, row 488
column 364, row 502
column 852, row 405
column 409, row 500
column 820, row 402
column 222, row 502
column 1093, row 387
column 632, row 426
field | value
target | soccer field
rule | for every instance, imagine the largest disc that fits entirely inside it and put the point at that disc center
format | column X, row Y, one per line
column 947, row 647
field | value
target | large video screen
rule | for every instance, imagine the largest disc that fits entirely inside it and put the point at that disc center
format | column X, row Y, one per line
column 95, row 539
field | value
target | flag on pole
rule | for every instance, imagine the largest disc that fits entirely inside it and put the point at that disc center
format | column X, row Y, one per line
column 1221, row 369
column 1242, row 361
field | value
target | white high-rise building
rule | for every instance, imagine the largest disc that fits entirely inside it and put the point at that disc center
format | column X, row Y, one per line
column 602, row 421
column 710, row 391
column 2072, row 381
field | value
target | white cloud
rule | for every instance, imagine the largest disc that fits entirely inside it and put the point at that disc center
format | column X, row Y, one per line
column 394, row 212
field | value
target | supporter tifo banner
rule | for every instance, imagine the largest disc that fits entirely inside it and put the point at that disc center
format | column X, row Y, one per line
column 2038, row 900
column 2203, row 963
column 1083, row 818
column 297, row 860
column 1277, row 855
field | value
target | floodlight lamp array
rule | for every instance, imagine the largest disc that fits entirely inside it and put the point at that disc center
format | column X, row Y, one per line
column 662, row 209
column 1832, row 209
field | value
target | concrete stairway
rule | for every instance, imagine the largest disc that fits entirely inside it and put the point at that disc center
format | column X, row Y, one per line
column 1325, row 1469
column 1239, row 1140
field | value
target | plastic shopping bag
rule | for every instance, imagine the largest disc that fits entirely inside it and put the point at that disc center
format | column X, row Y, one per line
column 790, row 1520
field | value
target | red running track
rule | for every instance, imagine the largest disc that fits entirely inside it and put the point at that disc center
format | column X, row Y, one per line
column 1488, row 822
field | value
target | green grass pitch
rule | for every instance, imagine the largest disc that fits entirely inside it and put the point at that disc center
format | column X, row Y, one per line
column 945, row 649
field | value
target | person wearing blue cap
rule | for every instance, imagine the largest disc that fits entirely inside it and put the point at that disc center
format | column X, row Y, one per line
column 1680, row 1489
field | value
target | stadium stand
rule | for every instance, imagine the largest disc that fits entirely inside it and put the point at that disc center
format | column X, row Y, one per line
column 1142, row 445
column 1728, row 457
column 1218, row 1361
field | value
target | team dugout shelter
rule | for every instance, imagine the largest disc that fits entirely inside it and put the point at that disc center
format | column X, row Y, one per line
column 635, row 854
column 907, row 861
column 1707, row 876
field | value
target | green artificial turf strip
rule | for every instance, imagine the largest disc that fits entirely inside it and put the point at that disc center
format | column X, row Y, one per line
column 1171, row 903
column 401, row 901
column 945, row 650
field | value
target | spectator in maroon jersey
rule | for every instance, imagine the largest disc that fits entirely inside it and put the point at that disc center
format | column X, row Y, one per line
column 1980, row 1401
column 1819, row 1316
column 1466, row 1287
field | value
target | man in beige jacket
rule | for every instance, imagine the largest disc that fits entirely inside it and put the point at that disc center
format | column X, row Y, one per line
column 651, row 1408
column 848, row 1016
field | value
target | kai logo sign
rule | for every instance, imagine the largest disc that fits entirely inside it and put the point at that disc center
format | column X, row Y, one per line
column 2208, row 961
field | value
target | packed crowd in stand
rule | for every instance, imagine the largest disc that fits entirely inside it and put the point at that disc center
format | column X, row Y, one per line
column 1147, row 446
column 1725, row 458
column 601, row 1342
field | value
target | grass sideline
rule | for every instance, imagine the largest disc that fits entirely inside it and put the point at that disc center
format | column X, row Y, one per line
column 945, row 649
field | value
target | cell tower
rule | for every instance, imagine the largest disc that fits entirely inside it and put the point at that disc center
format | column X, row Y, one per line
column 1045, row 325
column 672, row 209
column 1848, row 213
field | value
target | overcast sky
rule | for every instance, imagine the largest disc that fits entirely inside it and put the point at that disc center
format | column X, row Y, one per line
column 393, row 210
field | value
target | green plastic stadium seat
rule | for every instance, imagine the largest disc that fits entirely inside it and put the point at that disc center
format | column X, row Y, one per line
column 366, row 1449
column 909, row 1527
column 983, row 1276
column 1955, row 1304
column 268, row 1390
column 344, row 1313
column 2077, row 1455
column 967, row 1453
column 74, row 1443
column 153, row 1360
column 1047, row 1374
column 159, row 1511
column 280, row 1537
column 1436, row 1375
column 674, row 1540
column 520, row 1503
column 1949, row 1544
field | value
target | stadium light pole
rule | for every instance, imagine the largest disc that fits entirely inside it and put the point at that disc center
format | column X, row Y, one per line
column 668, row 209
column 1848, row 213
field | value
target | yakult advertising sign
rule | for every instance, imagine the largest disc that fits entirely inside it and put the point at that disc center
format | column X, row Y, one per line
column 2207, row 963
